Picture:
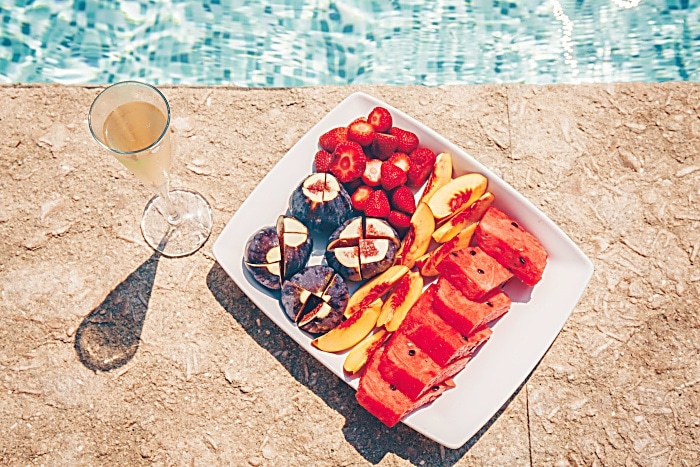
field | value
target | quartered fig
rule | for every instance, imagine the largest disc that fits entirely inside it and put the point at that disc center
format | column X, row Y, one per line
column 362, row 248
column 320, row 202
column 262, row 257
column 296, row 245
column 315, row 298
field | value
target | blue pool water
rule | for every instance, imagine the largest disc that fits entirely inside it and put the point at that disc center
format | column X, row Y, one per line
column 316, row 42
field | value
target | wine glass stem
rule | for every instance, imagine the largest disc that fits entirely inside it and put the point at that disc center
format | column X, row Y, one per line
column 172, row 214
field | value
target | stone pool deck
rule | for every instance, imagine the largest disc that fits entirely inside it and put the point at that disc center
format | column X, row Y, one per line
column 202, row 377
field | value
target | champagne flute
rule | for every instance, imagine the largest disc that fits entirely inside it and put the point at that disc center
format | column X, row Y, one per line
column 132, row 121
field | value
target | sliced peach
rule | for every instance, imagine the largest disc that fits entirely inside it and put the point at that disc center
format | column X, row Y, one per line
column 374, row 289
column 458, row 193
column 417, row 239
column 462, row 218
column 459, row 241
column 351, row 331
column 403, row 300
column 358, row 355
column 441, row 175
column 402, row 296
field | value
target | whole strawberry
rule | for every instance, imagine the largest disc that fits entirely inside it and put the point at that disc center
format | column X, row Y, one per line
column 392, row 176
column 330, row 139
column 380, row 119
column 402, row 199
column 422, row 162
column 322, row 161
column 384, row 146
column 349, row 161
column 408, row 141
column 378, row 205
column 400, row 221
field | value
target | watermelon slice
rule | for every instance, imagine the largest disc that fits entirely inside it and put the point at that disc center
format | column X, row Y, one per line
column 411, row 370
column 465, row 315
column 512, row 246
column 438, row 339
column 384, row 401
column 473, row 272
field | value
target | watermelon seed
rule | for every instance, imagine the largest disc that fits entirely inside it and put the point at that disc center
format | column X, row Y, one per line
column 480, row 271
column 472, row 252
column 454, row 253
column 435, row 388
column 514, row 224
column 489, row 303
column 522, row 260
column 465, row 337
column 392, row 387
column 411, row 352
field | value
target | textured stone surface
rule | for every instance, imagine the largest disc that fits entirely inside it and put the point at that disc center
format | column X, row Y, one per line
column 209, row 380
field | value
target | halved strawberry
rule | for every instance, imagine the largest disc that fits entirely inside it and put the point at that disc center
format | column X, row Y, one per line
column 408, row 141
column 360, row 197
column 373, row 173
column 361, row 132
column 384, row 146
column 322, row 161
column 329, row 140
column 378, row 205
column 401, row 160
column 392, row 176
column 349, row 161
column 422, row 162
column 380, row 119
column 402, row 199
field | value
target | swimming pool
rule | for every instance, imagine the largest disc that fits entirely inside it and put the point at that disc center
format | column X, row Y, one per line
column 307, row 42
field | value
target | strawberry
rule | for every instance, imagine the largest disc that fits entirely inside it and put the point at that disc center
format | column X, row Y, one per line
column 400, row 221
column 329, row 140
column 349, row 161
column 378, row 205
column 408, row 141
column 373, row 172
column 422, row 162
column 402, row 199
column 361, row 132
column 380, row 119
column 322, row 161
column 392, row 176
column 401, row 160
column 384, row 146
column 360, row 197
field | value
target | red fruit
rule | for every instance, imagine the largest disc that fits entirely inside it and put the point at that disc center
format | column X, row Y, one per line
column 361, row 132
column 322, row 161
column 378, row 205
column 422, row 162
column 392, row 176
column 380, row 119
column 408, row 141
column 403, row 200
column 373, row 173
column 399, row 220
column 401, row 160
column 360, row 197
column 329, row 140
column 384, row 146
column 349, row 161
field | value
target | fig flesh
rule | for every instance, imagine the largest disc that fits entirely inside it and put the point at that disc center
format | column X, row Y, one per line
column 320, row 202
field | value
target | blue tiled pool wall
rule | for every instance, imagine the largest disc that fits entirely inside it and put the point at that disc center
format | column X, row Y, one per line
column 293, row 43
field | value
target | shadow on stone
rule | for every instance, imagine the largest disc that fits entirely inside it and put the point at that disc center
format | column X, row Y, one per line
column 109, row 336
column 363, row 431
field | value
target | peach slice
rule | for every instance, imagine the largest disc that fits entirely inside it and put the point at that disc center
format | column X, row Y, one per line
column 462, row 218
column 374, row 289
column 441, row 176
column 402, row 298
column 417, row 239
column 358, row 355
column 458, row 193
column 351, row 331
column 459, row 241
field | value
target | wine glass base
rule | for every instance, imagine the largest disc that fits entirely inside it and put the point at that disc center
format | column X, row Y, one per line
column 188, row 235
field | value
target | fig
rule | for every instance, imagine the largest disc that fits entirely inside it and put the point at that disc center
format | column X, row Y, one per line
column 274, row 254
column 320, row 202
column 315, row 298
column 362, row 248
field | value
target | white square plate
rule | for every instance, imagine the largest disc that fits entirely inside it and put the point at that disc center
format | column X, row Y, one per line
column 521, row 337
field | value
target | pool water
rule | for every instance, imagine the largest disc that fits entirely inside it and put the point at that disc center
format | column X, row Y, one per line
column 323, row 42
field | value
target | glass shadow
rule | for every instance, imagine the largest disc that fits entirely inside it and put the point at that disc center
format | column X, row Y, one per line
column 109, row 335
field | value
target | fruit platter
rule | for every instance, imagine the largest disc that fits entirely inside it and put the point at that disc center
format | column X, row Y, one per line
column 406, row 267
